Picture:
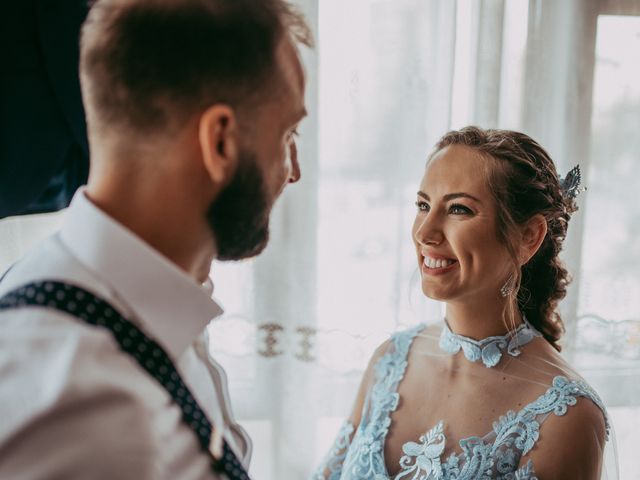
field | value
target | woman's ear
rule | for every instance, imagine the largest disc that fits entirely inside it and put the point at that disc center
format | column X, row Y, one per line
column 218, row 136
column 533, row 233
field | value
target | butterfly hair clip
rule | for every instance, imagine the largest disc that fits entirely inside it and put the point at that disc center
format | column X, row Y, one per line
column 570, row 184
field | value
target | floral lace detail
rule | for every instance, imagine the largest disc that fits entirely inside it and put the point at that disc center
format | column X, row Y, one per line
column 333, row 460
column 426, row 455
column 497, row 455
column 365, row 458
column 515, row 435
column 563, row 394
column 524, row 473
column 489, row 349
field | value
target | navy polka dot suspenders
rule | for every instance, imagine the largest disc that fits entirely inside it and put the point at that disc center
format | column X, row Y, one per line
column 86, row 306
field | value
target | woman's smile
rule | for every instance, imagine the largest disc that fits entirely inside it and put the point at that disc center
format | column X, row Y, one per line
column 433, row 264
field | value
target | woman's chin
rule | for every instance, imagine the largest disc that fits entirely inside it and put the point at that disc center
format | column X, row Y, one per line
column 436, row 292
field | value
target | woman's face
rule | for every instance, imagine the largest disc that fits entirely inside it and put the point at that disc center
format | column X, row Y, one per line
column 459, row 255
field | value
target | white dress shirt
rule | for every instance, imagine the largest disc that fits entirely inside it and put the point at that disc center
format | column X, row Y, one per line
column 72, row 404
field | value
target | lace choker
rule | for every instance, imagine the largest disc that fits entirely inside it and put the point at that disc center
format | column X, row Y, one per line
column 489, row 349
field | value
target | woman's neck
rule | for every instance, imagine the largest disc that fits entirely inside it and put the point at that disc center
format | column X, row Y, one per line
column 480, row 320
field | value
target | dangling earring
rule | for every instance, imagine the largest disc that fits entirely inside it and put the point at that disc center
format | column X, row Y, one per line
column 507, row 288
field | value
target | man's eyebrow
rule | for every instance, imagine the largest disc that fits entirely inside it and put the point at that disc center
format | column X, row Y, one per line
column 451, row 196
column 299, row 116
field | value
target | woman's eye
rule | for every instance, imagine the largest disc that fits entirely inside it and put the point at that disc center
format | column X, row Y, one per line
column 422, row 206
column 458, row 209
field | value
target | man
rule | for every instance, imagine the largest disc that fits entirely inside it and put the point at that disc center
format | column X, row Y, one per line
column 192, row 108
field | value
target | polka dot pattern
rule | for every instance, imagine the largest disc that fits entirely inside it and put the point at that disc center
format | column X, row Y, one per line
column 84, row 305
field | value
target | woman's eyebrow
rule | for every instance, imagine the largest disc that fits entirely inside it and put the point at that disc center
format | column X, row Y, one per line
column 451, row 196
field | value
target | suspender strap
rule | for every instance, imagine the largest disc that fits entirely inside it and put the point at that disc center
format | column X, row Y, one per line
column 95, row 311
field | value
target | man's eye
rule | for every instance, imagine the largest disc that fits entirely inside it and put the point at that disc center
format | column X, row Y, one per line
column 457, row 209
column 422, row 206
column 293, row 134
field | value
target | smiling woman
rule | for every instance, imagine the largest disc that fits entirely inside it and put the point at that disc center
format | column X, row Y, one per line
column 456, row 223
column 485, row 394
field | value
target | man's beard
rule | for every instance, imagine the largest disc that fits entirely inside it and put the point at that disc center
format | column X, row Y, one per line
column 239, row 216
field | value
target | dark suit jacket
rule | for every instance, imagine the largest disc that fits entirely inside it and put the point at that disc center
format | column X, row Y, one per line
column 44, row 153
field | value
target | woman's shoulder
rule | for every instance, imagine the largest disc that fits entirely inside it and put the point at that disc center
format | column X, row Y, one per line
column 569, row 396
column 400, row 341
column 397, row 345
column 408, row 334
column 575, row 431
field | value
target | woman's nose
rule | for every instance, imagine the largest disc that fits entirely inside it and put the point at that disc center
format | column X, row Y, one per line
column 428, row 231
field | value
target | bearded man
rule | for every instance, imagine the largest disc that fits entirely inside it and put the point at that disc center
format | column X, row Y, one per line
column 192, row 108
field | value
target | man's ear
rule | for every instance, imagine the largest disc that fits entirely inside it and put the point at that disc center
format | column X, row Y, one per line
column 218, row 135
column 533, row 233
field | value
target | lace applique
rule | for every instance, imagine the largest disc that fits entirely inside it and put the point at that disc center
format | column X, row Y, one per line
column 524, row 473
column 365, row 458
column 515, row 435
column 426, row 455
column 497, row 455
column 489, row 349
column 333, row 460
column 562, row 394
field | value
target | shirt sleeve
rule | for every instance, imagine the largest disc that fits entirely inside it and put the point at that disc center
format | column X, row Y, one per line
column 105, row 436
column 75, row 407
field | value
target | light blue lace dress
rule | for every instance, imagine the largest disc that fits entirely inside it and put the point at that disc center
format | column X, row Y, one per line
column 358, row 451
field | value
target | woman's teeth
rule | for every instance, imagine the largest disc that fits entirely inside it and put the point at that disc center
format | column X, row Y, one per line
column 439, row 263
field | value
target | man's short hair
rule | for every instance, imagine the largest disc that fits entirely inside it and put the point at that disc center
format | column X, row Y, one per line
column 151, row 64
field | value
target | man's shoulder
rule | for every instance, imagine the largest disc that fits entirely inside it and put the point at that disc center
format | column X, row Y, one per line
column 49, row 358
column 51, row 259
column 48, row 259
column 68, row 392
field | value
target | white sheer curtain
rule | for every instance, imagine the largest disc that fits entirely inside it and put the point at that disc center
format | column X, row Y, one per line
column 389, row 77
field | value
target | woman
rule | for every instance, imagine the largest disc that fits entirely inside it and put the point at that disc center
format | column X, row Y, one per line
column 486, row 394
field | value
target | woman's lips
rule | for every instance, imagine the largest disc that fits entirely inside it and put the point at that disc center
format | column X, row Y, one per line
column 437, row 264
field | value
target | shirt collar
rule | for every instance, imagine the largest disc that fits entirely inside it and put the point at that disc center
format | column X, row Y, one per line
column 169, row 304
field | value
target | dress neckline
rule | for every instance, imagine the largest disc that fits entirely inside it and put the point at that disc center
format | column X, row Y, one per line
column 556, row 399
column 488, row 350
column 424, row 456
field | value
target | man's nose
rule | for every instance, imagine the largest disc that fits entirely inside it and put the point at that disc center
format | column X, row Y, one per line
column 295, row 174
